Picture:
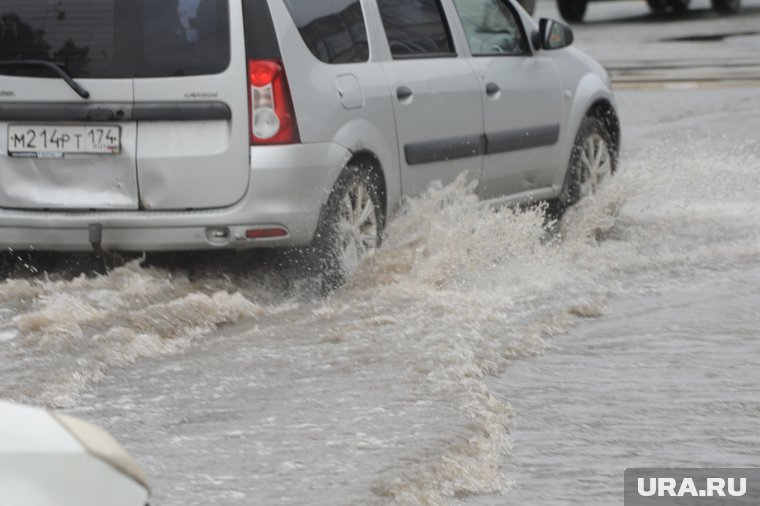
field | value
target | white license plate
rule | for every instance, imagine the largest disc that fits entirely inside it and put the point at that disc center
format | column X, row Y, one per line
column 42, row 140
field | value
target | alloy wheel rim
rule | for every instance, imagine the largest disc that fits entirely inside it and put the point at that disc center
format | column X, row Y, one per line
column 357, row 226
column 596, row 164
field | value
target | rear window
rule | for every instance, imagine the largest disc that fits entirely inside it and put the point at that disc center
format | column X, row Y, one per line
column 182, row 37
column 81, row 35
column 116, row 38
column 334, row 30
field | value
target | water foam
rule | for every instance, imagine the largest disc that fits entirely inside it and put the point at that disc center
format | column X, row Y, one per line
column 78, row 329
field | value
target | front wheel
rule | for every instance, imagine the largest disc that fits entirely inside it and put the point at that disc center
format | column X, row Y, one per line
column 572, row 10
column 351, row 225
column 591, row 164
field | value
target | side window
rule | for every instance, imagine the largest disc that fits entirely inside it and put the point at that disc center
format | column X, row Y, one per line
column 416, row 28
column 492, row 28
column 333, row 30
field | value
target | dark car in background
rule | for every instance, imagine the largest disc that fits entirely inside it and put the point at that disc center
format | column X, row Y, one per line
column 575, row 10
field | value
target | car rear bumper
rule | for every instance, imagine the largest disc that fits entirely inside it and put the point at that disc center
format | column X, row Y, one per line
column 287, row 189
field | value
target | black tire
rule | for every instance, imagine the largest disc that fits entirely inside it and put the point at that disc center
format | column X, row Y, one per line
column 572, row 10
column 7, row 265
column 657, row 6
column 333, row 242
column 578, row 183
column 727, row 6
column 528, row 5
column 668, row 7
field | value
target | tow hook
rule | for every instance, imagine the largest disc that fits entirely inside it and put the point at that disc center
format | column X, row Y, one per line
column 96, row 240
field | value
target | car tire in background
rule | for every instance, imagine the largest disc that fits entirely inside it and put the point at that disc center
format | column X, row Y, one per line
column 726, row 6
column 592, row 162
column 528, row 5
column 669, row 7
column 7, row 264
column 572, row 10
column 351, row 225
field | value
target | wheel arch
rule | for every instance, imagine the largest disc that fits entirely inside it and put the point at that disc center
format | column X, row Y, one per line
column 376, row 146
column 591, row 97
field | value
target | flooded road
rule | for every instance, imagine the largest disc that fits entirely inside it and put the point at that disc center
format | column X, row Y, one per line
column 232, row 383
column 246, row 389
column 666, row 378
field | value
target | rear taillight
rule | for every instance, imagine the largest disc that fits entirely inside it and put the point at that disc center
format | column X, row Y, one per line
column 273, row 120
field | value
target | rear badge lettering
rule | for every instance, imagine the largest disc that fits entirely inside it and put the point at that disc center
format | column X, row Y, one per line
column 201, row 94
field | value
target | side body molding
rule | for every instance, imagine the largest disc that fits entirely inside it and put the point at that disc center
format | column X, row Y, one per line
column 483, row 144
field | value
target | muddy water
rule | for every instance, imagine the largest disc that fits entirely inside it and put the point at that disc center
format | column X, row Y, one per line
column 240, row 386
column 666, row 378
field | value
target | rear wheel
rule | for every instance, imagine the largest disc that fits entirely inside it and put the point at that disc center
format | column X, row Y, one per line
column 591, row 164
column 572, row 10
column 351, row 225
column 727, row 6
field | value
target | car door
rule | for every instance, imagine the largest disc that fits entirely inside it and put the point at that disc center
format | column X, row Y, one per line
column 436, row 96
column 59, row 148
column 522, row 100
column 191, row 103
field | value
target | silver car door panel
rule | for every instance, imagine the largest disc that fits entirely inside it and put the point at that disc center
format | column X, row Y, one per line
column 436, row 95
column 521, row 97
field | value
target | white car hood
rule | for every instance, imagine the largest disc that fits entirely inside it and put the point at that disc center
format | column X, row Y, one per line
column 46, row 463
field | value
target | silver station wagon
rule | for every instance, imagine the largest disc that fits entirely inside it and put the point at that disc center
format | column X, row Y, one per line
column 171, row 125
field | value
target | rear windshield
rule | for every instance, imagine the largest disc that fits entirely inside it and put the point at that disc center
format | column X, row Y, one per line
column 116, row 38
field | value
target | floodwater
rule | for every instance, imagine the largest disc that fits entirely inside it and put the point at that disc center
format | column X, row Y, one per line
column 666, row 378
column 480, row 351
column 237, row 385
